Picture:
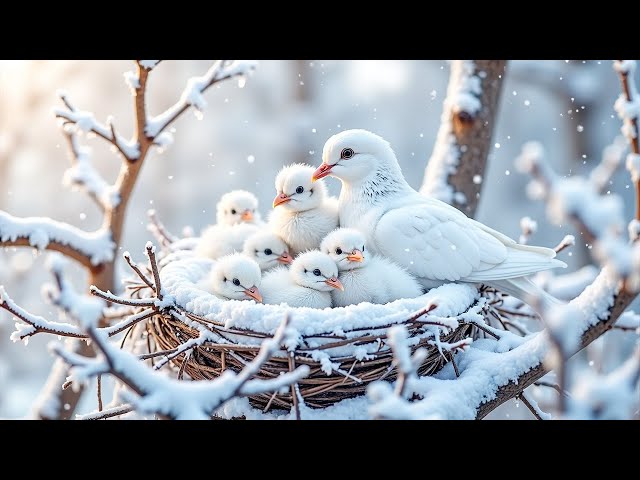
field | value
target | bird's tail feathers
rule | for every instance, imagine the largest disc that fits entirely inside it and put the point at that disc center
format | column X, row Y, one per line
column 524, row 289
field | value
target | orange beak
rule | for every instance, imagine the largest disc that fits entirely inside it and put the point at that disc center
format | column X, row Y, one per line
column 322, row 171
column 247, row 216
column 285, row 258
column 356, row 256
column 335, row 283
column 280, row 198
column 254, row 293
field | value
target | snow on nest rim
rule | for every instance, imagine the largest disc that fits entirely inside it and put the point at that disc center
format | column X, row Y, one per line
column 184, row 279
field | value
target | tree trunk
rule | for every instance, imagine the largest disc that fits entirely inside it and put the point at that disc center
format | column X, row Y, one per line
column 463, row 143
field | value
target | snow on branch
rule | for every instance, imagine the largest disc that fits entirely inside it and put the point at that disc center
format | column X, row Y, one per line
column 628, row 108
column 192, row 94
column 84, row 176
column 87, row 248
column 456, row 167
column 155, row 393
column 86, row 122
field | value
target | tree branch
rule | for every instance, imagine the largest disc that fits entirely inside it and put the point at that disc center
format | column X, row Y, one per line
column 88, row 249
column 627, row 106
column 456, row 168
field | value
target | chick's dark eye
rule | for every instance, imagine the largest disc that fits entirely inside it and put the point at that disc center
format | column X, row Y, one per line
column 268, row 251
column 338, row 251
column 233, row 212
column 346, row 153
column 316, row 272
column 236, row 282
column 363, row 248
column 300, row 189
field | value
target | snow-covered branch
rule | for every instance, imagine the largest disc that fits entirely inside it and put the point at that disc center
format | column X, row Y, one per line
column 84, row 176
column 455, row 170
column 86, row 122
column 87, row 248
column 192, row 94
column 154, row 393
column 628, row 108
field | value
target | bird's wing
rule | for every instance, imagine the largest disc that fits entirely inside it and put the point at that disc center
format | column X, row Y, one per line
column 437, row 243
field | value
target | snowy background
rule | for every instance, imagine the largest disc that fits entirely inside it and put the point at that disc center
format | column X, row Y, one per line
column 284, row 113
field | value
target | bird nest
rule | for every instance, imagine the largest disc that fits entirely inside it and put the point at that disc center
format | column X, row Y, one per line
column 345, row 348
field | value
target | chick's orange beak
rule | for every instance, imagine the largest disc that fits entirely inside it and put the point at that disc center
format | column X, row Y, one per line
column 355, row 256
column 285, row 258
column 335, row 283
column 280, row 198
column 322, row 171
column 247, row 216
column 254, row 293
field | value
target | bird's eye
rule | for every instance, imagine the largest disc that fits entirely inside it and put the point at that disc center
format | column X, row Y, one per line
column 268, row 251
column 362, row 248
column 316, row 272
column 346, row 153
column 300, row 189
column 338, row 251
column 236, row 282
column 233, row 212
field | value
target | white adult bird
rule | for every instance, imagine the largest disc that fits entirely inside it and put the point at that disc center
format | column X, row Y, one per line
column 434, row 241
column 302, row 213
column 268, row 249
column 235, row 277
column 366, row 277
column 307, row 283
column 237, row 218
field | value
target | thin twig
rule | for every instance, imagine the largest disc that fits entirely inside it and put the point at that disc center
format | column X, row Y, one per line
column 526, row 402
column 99, row 393
column 151, row 253
column 135, row 268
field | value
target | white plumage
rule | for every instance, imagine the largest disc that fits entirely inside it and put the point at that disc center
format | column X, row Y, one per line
column 434, row 241
column 219, row 240
column 303, row 212
column 238, row 206
column 268, row 249
column 235, row 277
column 366, row 277
column 237, row 218
column 307, row 283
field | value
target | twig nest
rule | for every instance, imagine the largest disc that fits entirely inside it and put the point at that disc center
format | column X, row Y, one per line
column 345, row 347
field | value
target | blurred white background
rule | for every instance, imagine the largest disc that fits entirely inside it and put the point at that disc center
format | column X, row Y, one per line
column 284, row 114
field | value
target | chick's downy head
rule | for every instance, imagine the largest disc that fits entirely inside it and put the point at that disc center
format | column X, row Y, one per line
column 236, row 207
column 236, row 277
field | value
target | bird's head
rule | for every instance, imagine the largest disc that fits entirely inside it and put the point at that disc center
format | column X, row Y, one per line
column 236, row 277
column 236, row 207
column 346, row 247
column 295, row 189
column 314, row 269
column 268, row 249
column 353, row 155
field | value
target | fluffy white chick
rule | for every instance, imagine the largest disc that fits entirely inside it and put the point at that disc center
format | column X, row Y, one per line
column 366, row 277
column 267, row 249
column 303, row 213
column 434, row 241
column 237, row 218
column 235, row 277
column 307, row 283
column 237, row 206
column 219, row 240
